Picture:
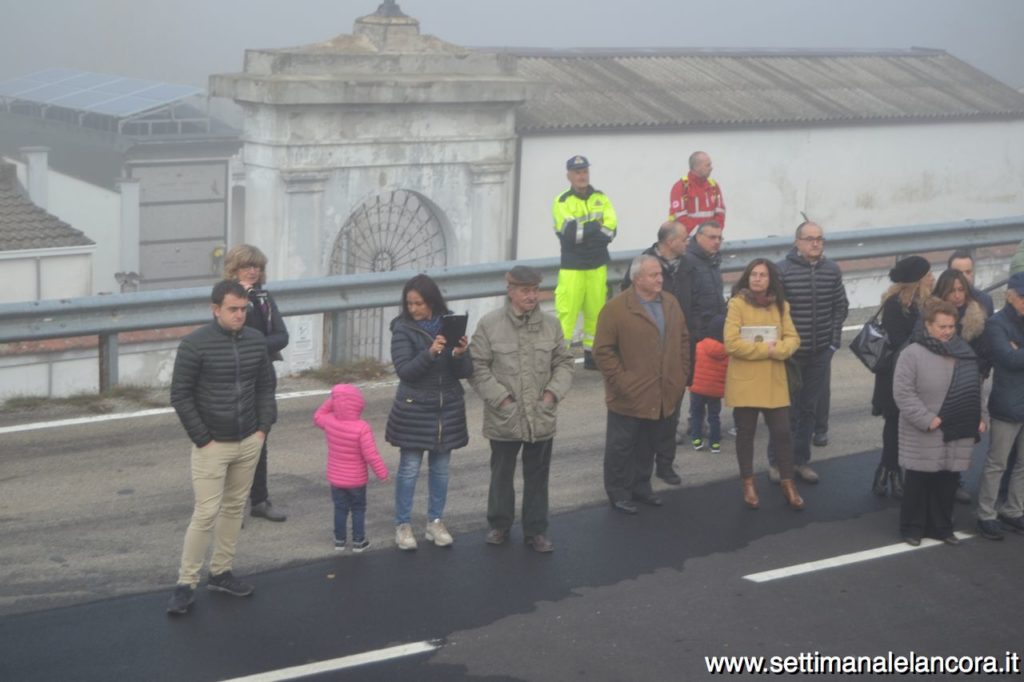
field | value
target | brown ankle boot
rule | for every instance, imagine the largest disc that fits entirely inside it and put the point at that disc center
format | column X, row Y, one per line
column 749, row 493
column 791, row 495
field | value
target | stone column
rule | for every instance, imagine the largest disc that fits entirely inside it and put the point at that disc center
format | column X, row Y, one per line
column 490, row 235
column 297, row 253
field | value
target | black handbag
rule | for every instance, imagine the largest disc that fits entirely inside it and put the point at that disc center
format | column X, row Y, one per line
column 872, row 345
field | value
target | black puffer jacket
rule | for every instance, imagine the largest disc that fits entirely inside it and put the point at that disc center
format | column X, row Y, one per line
column 222, row 387
column 270, row 325
column 898, row 325
column 429, row 412
column 817, row 301
column 706, row 291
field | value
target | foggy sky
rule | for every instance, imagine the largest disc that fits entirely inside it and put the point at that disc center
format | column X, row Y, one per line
column 184, row 41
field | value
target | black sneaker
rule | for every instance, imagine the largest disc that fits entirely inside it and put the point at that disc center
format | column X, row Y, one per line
column 588, row 360
column 989, row 529
column 181, row 600
column 229, row 584
column 669, row 475
column 360, row 545
column 1014, row 523
column 820, row 440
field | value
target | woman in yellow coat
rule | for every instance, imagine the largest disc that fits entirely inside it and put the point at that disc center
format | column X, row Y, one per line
column 756, row 381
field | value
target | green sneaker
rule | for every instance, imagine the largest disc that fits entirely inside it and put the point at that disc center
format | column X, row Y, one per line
column 698, row 443
column 716, row 448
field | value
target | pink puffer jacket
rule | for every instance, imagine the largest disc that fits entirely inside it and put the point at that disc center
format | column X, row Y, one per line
column 350, row 444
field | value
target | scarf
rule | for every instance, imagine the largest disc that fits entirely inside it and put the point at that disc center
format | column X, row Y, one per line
column 961, row 409
column 431, row 326
column 762, row 299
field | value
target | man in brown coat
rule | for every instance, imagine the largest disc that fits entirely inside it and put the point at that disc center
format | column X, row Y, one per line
column 642, row 348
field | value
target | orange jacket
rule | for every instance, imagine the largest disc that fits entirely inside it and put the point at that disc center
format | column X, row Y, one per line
column 709, row 372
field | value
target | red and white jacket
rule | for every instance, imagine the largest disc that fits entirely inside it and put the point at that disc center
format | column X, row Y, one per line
column 695, row 200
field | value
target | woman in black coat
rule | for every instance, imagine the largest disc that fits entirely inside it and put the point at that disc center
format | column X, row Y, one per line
column 247, row 265
column 429, row 414
column 912, row 284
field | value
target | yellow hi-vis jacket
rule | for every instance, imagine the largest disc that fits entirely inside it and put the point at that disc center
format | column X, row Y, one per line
column 585, row 225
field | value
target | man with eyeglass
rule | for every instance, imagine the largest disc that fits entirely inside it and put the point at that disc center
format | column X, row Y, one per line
column 818, row 305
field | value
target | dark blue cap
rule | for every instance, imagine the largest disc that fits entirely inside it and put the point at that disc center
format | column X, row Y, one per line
column 577, row 163
column 1016, row 283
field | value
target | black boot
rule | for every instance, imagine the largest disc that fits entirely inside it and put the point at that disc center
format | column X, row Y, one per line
column 588, row 360
column 896, row 483
column 878, row 484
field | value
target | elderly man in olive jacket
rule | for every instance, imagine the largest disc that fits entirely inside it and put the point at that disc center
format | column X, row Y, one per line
column 642, row 348
column 521, row 370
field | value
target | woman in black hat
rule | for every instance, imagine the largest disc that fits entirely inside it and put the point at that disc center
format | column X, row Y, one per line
column 912, row 282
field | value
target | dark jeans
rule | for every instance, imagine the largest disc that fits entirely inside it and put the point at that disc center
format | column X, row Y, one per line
column 777, row 421
column 501, row 500
column 803, row 407
column 824, row 404
column 629, row 454
column 927, row 506
column 891, row 441
column 699, row 405
column 258, row 493
column 349, row 500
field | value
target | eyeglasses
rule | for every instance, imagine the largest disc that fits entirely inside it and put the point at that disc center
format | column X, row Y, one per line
column 812, row 240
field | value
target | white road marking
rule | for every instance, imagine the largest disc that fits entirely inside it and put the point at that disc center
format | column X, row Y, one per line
column 76, row 421
column 844, row 560
column 342, row 663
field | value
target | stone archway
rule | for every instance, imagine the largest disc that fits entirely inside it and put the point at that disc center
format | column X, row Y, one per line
column 398, row 230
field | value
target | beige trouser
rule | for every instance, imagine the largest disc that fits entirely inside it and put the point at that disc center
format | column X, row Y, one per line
column 221, row 478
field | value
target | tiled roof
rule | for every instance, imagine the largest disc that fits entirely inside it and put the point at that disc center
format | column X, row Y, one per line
column 23, row 225
column 588, row 89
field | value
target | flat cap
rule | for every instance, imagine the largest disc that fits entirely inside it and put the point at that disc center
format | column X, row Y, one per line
column 523, row 276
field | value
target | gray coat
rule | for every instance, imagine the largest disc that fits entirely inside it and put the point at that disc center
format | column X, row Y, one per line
column 520, row 357
column 920, row 383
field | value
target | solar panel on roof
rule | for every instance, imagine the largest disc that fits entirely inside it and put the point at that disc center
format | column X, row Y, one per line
column 101, row 93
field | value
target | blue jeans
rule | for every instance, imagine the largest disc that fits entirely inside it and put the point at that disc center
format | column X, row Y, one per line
column 349, row 500
column 405, row 483
column 699, row 404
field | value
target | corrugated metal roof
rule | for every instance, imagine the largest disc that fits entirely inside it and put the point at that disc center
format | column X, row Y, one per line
column 584, row 89
column 23, row 225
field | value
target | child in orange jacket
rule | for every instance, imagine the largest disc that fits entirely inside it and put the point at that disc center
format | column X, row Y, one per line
column 708, row 387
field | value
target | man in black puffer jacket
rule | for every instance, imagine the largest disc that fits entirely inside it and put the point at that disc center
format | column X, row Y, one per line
column 818, row 305
column 223, row 392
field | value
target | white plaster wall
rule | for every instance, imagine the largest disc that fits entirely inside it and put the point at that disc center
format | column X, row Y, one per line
column 77, row 371
column 96, row 211
column 37, row 274
column 867, row 176
column 19, row 278
column 66, row 276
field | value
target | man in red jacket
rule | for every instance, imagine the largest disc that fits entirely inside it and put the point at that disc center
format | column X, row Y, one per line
column 697, row 198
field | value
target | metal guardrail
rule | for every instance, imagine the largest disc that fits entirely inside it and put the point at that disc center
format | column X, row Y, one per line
column 108, row 315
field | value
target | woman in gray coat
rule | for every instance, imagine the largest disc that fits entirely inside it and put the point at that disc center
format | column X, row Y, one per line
column 937, row 387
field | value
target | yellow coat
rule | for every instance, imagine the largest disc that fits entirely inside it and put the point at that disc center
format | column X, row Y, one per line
column 754, row 379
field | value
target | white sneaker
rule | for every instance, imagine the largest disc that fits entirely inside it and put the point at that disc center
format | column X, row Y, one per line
column 805, row 472
column 438, row 534
column 404, row 537
column 773, row 474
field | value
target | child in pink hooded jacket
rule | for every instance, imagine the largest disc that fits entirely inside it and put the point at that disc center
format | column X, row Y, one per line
column 350, row 448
